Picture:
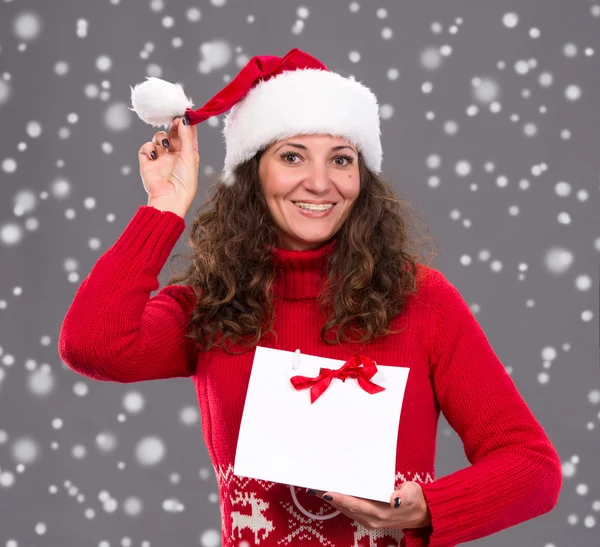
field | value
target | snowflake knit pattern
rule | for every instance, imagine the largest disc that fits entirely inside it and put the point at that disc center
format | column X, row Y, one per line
column 115, row 331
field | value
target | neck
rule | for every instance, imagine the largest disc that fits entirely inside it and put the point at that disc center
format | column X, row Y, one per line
column 300, row 274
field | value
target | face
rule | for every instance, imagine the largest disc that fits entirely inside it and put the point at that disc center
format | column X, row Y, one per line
column 309, row 169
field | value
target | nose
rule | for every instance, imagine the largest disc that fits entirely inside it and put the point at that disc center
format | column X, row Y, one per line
column 318, row 179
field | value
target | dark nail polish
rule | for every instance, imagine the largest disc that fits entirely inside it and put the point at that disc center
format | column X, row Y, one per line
column 311, row 492
column 153, row 155
column 396, row 502
column 328, row 497
column 185, row 120
column 165, row 143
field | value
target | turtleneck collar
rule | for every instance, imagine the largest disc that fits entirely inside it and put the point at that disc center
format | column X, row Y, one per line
column 300, row 274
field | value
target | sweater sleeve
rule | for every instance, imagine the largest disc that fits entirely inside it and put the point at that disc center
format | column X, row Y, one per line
column 515, row 472
column 113, row 330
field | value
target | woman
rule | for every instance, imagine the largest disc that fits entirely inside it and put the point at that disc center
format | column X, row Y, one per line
column 269, row 269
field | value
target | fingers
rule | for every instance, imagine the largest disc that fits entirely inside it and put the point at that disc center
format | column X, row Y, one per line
column 159, row 146
column 180, row 138
column 400, row 496
column 173, row 136
column 146, row 151
column 161, row 142
column 183, row 137
column 188, row 137
column 158, row 138
column 318, row 493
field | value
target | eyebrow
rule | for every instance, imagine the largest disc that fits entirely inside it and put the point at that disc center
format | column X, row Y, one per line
column 304, row 147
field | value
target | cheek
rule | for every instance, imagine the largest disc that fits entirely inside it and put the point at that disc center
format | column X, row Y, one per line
column 351, row 188
column 280, row 182
column 271, row 174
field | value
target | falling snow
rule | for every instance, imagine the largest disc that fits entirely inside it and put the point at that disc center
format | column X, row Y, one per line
column 487, row 123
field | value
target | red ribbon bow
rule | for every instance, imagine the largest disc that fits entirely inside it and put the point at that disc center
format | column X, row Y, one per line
column 351, row 369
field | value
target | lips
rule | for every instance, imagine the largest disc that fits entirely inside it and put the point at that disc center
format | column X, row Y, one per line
column 315, row 202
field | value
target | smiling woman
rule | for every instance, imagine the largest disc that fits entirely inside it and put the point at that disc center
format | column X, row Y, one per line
column 344, row 283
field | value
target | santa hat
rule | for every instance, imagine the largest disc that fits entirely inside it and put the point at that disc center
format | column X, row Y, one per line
column 273, row 98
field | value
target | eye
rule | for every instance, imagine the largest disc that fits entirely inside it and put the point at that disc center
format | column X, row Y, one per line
column 287, row 154
column 349, row 159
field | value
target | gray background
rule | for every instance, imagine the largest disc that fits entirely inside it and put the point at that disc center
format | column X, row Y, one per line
column 66, row 196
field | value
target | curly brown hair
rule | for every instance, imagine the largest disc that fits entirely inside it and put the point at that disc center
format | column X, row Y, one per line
column 370, row 272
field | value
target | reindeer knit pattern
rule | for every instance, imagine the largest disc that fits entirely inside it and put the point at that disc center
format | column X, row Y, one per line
column 115, row 331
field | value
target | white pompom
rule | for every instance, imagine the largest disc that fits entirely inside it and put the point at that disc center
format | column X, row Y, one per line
column 158, row 102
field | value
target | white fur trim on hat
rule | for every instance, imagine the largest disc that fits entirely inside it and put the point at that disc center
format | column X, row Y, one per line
column 302, row 102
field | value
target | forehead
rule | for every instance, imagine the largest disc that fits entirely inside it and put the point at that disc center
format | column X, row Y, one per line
column 315, row 140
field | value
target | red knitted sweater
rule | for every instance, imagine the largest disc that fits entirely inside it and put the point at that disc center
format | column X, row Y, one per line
column 114, row 331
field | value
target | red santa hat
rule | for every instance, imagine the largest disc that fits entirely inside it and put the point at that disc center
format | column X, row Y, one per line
column 273, row 98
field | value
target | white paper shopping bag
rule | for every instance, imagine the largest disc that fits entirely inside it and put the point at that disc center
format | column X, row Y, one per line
column 343, row 442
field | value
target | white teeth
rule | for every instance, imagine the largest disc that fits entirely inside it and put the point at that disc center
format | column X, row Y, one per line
column 313, row 207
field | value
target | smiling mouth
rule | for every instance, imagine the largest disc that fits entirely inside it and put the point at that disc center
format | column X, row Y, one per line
column 315, row 207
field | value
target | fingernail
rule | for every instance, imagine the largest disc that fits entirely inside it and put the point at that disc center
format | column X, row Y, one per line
column 185, row 120
column 311, row 492
column 153, row 155
column 396, row 502
column 165, row 143
column 327, row 497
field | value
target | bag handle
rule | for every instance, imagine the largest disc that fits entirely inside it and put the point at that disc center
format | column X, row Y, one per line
column 304, row 511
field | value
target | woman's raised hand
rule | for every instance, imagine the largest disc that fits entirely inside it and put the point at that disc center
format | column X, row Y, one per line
column 169, row 167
